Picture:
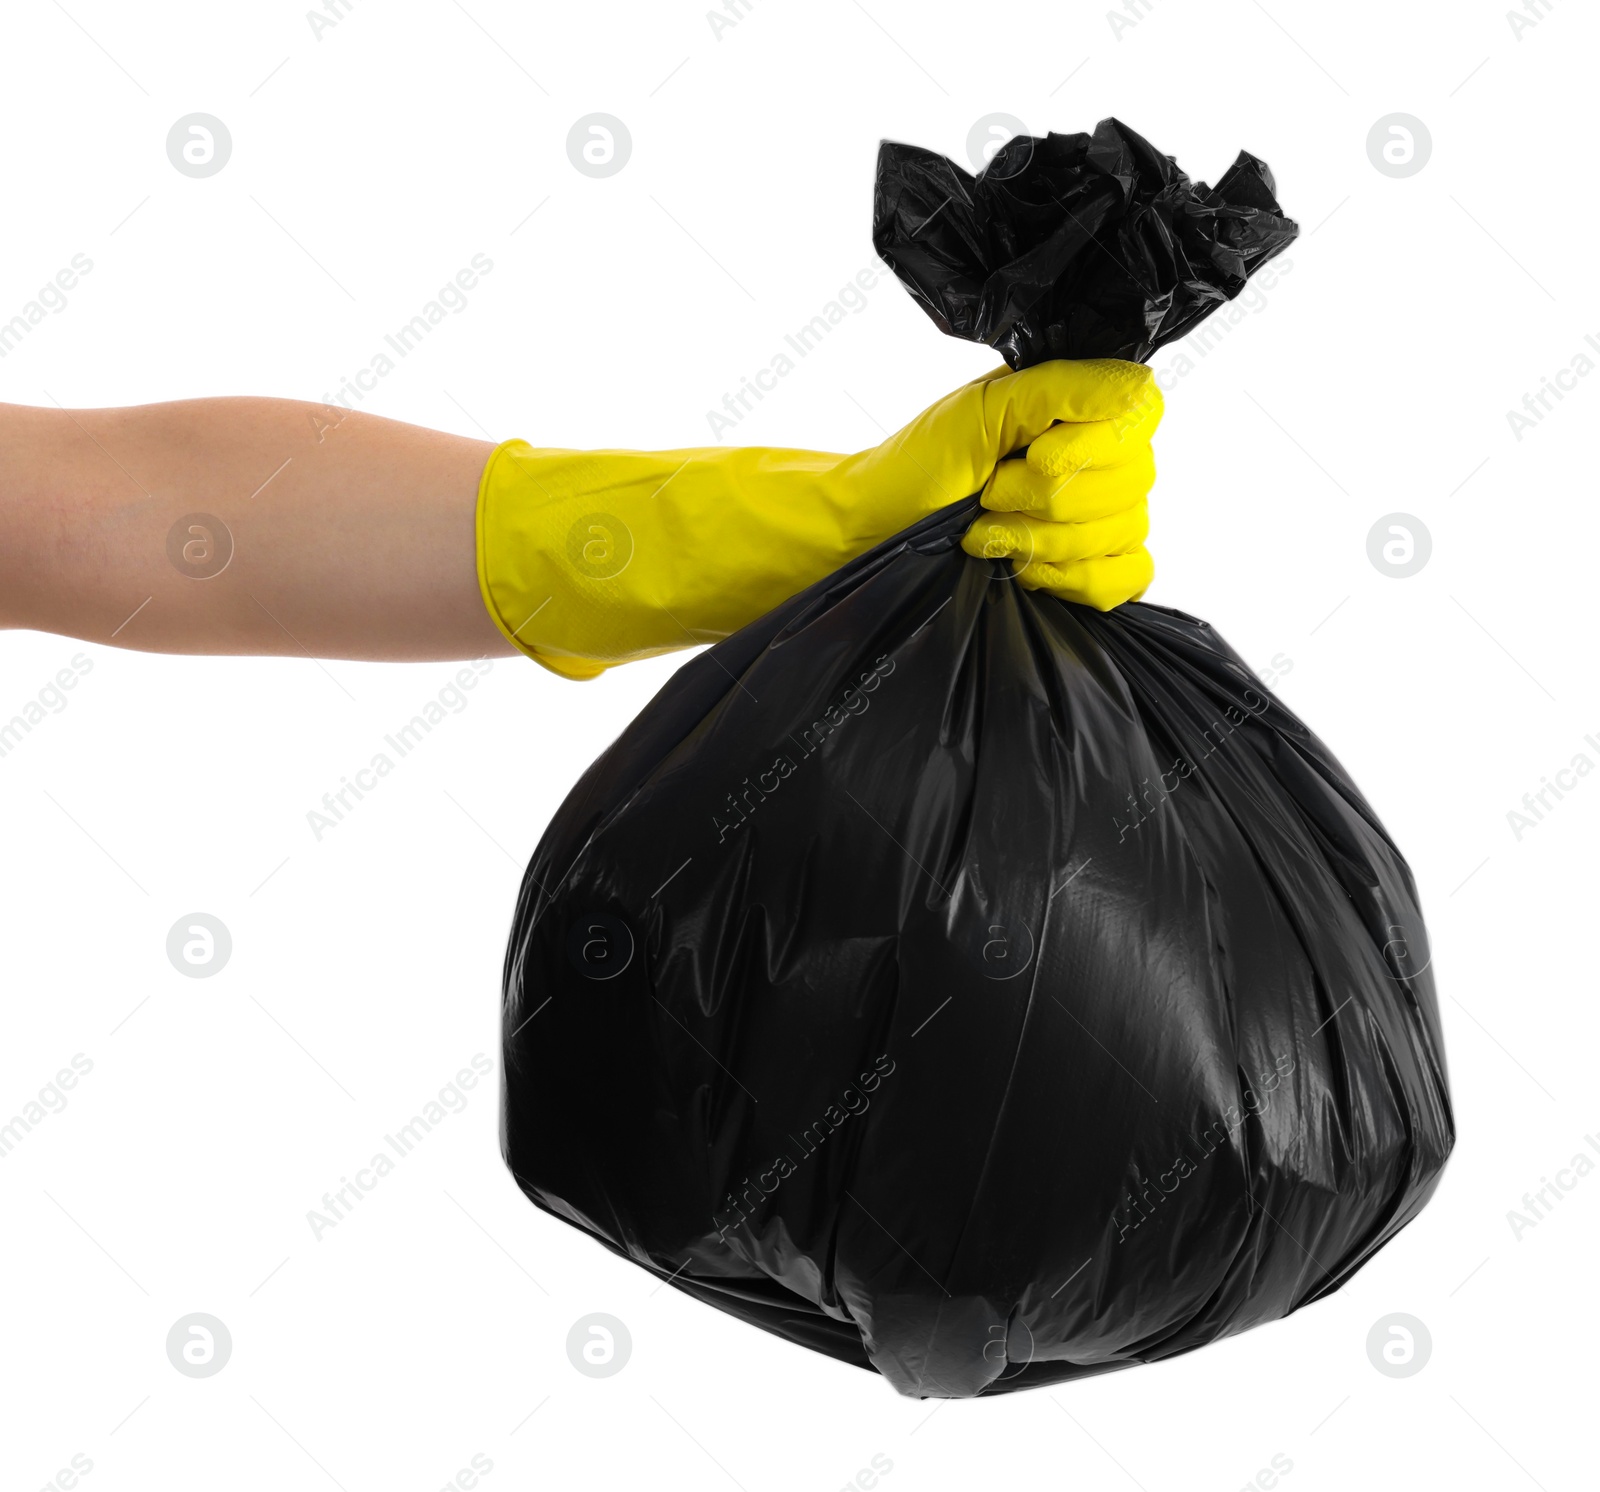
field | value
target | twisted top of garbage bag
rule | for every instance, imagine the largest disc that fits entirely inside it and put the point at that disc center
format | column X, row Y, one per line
column 1073, row 245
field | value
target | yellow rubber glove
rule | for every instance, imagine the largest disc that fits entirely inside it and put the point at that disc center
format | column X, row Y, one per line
column 592, row 558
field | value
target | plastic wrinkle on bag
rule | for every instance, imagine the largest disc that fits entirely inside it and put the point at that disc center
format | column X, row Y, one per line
column 968, row 985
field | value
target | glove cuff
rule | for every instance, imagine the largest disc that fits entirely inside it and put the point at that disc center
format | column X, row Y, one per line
column 587, row 559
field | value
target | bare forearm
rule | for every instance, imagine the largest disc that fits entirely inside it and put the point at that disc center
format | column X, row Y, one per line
column 345, row 535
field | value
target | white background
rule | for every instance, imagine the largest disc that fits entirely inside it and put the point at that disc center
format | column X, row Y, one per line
column 1375, row 378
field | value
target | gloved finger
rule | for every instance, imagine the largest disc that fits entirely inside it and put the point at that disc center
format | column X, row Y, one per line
column 1101, row 583
column 956, row 444
column 1018, row 487
column 1031, row 541
column 1023, row 406
column 1092, row 444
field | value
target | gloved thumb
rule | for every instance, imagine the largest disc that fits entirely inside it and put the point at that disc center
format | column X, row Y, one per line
column 957, row 443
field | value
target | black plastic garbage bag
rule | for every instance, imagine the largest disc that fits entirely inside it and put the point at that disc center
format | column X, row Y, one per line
column 965, row 984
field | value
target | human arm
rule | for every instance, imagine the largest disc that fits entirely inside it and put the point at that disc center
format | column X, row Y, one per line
column 242, row 525
column 351, row 535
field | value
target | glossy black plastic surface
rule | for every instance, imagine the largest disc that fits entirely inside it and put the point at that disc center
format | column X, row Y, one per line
column 971, row 986
column 1073, row 245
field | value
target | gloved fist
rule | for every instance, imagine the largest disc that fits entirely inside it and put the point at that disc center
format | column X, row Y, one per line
column 591, row 558
column 1071, row 511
